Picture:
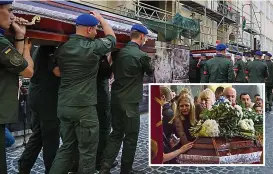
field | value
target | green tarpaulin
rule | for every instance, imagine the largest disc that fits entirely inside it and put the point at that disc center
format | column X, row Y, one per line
column 172, row 29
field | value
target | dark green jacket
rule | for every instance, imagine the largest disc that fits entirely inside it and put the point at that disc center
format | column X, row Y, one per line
column 11, row 64
column 202, row 65
column 78, row 60
column 239, row 68
column 44, row 85
column 129, row 67
column 257, row 71
column 193, row 68
column 269, row 80
column 219, row 70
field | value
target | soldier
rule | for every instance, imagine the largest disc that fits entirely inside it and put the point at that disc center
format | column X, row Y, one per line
column 43, row 97
column 193, row 74
column 256, row 71
column 127, row 90
column 78, row 60
column 219, row 69
column 12, row 65
column 239, row 69
column 201, row 65
column 269, row 82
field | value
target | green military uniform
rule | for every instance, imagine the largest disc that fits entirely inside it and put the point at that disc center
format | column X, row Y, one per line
column 78, row 60
column 43, row 97
column 239, row 68
column 218, row 70
column 193, row 70
column 269, row 82
column 202, row 65
column 11, row 63
column 127, row 90
column 256, row 71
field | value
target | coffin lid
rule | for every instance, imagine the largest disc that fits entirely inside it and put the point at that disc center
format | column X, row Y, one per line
column 54, row 10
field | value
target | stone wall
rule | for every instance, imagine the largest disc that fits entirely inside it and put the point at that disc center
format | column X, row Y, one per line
column 171, row 63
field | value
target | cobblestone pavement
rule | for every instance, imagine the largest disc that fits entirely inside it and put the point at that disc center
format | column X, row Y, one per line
column 141, row 160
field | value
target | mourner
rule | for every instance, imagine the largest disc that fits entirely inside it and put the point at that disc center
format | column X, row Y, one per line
column 12, row 65
column 269, row 82
column 256, row 71
column 43, row 97
column 239, row 69
column 78, row 60
column 219, row 69
column 128, row 67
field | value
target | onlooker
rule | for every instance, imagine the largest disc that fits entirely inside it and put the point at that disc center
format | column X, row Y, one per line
column 246, row 100
column 219, row 92
column 258, row 109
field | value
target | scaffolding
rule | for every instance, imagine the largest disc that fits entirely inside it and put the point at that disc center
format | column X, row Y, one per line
column 225, row 18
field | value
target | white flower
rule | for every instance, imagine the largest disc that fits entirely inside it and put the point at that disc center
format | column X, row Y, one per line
column 210, row 128
column 247, row 124
column 227, row 101
column 239, row 108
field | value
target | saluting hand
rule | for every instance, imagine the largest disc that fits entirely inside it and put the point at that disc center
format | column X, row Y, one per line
column 20, row 30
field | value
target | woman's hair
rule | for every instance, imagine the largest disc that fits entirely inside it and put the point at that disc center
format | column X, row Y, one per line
column 167, row 92
column 205, row 94
column 184, row 91
column 188, row 99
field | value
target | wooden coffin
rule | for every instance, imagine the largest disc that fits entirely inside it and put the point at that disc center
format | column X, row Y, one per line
column 56, row 22
column 219, row 151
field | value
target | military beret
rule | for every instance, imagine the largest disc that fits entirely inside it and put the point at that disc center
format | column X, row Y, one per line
column 268, row 54
column 87, row 20
column 191, row 55
column 221, row 47
column 139, row 28
column 239, row 54
column 258, row 53
column 6, row 2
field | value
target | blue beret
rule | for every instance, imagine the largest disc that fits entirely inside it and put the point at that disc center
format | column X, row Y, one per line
column 191, row 54
column 139, row 28
column 258, row 53
column 239, row 54
column 221, row 47
column 87, row 20
column 6, row 2
column 268, row 54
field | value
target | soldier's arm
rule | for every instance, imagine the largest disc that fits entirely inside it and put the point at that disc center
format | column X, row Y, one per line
column 247, row 71
column 231, row 75
column 236, row 68
column 146, row 65
column 14, row 62
column 53, row 63
column 205, row 74
column 104, row 45
column 266, row 73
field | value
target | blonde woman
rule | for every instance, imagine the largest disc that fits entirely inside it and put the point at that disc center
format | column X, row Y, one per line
column 185, row 118
column 206, row 100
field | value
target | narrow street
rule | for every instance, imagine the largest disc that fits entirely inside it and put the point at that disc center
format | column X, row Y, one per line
column 141, row 160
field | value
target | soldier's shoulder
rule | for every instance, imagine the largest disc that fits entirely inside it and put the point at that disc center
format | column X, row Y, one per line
column 5, row 41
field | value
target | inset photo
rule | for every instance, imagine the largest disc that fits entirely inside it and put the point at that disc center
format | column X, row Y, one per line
column 207, row 124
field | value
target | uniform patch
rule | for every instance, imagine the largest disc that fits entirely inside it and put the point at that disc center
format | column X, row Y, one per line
column 106, row 42
column 13, row 55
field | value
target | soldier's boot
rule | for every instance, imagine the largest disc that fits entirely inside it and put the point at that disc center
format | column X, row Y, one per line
column 115, row 163
column 22, row 170
column 105, row 168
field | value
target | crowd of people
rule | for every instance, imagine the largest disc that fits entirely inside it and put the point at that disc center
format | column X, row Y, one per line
column 69, row 96
column 221, row 69
column 181, row 112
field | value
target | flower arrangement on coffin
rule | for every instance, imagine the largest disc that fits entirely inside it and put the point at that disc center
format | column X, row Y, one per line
column 225, row 120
